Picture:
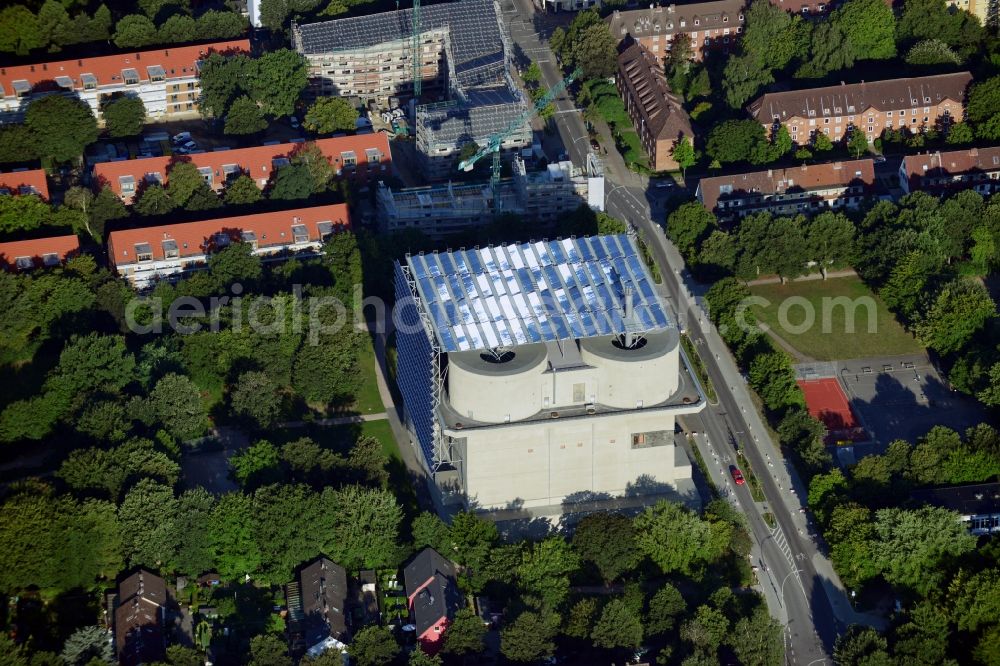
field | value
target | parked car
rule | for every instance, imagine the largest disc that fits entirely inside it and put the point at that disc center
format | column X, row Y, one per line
column 663, row 184
column 596, row 146
column 879, row 159
column 294, row 122
column 181, row 137
column 737, row 475
column 187, row 147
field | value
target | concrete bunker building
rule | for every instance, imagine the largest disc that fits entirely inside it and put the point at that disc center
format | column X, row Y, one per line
column 541, row 374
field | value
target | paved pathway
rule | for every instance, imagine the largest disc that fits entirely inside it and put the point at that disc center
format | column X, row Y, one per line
column 774, row 279
column 336, row 420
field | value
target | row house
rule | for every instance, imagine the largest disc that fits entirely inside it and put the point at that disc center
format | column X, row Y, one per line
column 166, row 80
column 144, row 256
column 25, row 181
column 975, row 168
column 28, row 254
column 913, row 103
column 657, row 114
column 805, row 189
column 140, row 609
column 358, row 158
column 711, row 26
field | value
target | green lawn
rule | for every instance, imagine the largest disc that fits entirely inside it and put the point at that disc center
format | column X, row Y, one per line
column 368, row 400
column 837, row 342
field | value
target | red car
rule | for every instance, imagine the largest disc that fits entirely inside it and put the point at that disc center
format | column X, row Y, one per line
column 737, row 475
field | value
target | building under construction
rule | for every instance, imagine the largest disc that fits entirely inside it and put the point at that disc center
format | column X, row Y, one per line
column 538, row 196
column 465, row 87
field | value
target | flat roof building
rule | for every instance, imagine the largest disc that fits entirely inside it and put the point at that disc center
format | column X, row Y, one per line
column 146, row 255
column 804, row 189
column 542, row 373
column 28, row 254
column 359, row 158
column 942, row 172
column 166, row 79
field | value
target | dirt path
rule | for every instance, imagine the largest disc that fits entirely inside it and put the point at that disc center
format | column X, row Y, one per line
column 774, row 279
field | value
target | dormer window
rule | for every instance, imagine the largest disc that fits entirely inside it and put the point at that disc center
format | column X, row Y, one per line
column 249, row 237
column 221, row 239
column 170, row 250
column 325, row 229
column 299, row 233
column 64, row 82
column 697, row 22
column 143, row 252
column 279, row 162
column 21, row 88
column 683, row 23
column 24, row 263
column 51, row 259
column 131, row 77
column 89, row 81
column 156, row 73
column 725, row 19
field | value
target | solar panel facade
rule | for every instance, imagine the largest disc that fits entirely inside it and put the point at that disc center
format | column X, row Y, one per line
column 525, row 293
column 414, row 368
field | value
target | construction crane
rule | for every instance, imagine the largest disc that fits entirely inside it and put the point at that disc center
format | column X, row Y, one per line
column 495, row 141
column 416, row 53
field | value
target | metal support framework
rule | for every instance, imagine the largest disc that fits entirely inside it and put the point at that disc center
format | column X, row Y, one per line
column 416, row 54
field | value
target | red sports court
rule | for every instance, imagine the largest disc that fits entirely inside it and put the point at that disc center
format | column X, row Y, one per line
column 827, row 403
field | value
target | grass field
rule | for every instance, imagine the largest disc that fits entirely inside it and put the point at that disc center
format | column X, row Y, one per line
column 829, row 338
column 368, row 401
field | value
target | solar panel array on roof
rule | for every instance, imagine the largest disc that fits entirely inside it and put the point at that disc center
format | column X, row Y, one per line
column 474, row 34
column 534, row 292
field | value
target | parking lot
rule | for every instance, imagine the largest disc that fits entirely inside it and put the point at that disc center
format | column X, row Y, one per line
column 902, row 397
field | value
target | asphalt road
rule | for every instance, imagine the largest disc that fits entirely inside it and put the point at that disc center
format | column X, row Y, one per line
column 795, row 577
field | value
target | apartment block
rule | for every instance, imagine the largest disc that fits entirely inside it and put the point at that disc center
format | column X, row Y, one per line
column 714, row 25
column 145, row 256
column 806, row 189
column 913, row 103
column 987, row 11
column 462, row 45
column 359, row 158
column 166, row 80
column 657, row 114
column 25, row 181
column 973, row 168
column 28, row 254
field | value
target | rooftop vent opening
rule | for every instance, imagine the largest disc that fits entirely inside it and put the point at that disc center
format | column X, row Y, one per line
column 497, row 355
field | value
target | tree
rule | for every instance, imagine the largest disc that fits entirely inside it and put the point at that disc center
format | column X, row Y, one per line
column 429, row 530
column 374, row 646
column 913, row 545
column 683, row 153
column 975, row 599
column 735, row 140
column 925, row 638
column 772, row 36
column 529, row 637
column 231, row 537
column 124, row 116
column 154, row 201
column 242, row 190
column 665, row 606
column 607, row 540
column 17, row 143
column 961, row 309
column 365, row 528
column 829, row 239
column 63, row 126
column 707, row 630
column 147, row 516
column 545, row 570
column 595, row 52
column 221, row 25
column 618, row 627
column 861, row 646
column 23, row 213
column 324, row 373
column 176, row 402
column 331, row 114
column 673, row 537
column 235, row 264
column 256, row 466
column 857, row 142
column 465, row 634
column 107, row 206
column 194, row 511
column 256, row 397
column 220, row 78
column 772, row 376
column 88, row 644
column 821, row 142
column 244, row 117
column 868, row 27
column 292, row 182
column 741, row 79
column 183, row 179
column 983, row 100
column 275, row 81
column 273, row 14
column 177, row 29
column 932, row 52
column 268, row 650
column 134, row 31
column 311, row 158
column 19, row 30
column 580, row 621
column 757, row 640
column 718, row 252
column 688, row 225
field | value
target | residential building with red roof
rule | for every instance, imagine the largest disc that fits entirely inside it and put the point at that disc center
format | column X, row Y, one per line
column 147, row 255
column 970, row 168
column 712, row 26
column 806, row 189
column 27, row 254
column 165, row 79
column 356, row 157
column 25, row 181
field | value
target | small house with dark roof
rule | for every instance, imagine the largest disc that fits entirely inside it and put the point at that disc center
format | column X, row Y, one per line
column 139, row 619
column 978, row 505
column 433, row 597
column 316, row 602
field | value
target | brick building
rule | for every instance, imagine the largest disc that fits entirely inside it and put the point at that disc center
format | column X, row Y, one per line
column 146, row 255
column 972, row 168
column 806, row 189
column 166, row 79
column 25, row 181
column 874, row 106
column 27, row 254
column 657, row 115
column 357, row 157
column 710, row 25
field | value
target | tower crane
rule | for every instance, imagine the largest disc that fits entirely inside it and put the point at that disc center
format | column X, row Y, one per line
column 416, row 53
column 495, row 141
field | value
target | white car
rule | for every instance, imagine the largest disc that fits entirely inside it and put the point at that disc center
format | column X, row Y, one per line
column 187, row 147
column 181, row 138
column 294, row 122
